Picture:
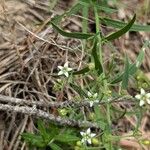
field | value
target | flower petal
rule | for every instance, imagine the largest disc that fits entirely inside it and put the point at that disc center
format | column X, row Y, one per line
column 88, row 131
column 91, row 103
column 89, row 94
column 60, row 73
column 148, row 100
column 89, row 140
column 96, row 101
column 69, row 69
column 93, row 134
column 66, row 74
column 142, row 91
column 60, row 67
column 83, row 140
column 148, row 95
column 141, row 103
column 66, row 64
column 95, row 95
column 138, row 96
column 82, row 133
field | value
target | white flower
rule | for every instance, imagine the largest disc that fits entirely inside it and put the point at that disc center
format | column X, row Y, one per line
column 92, row 98
column 143, row 97
column 64, row 70
column 87, row 136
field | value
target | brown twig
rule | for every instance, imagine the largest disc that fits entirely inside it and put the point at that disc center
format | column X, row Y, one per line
column 33, row 111
column 17, row 101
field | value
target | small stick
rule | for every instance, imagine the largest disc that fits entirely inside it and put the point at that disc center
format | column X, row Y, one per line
column 44, row 115
column 17, row 101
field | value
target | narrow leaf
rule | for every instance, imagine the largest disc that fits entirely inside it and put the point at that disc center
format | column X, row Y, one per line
column 42, row 130
column 126, row 74
column 98, row 65
column 66, row 138
column 53, row 146
column 82, row 71
column 77, row 35
column 68, row 13
column 34, row 140
column 119, row 25
column 120, row 32
column 78, row 90
column 117, row 78
column 132, row 67
column 98, row 6
column 99, row 117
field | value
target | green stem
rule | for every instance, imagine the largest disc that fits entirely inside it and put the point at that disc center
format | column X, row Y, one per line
column 109, row 124
column 85, row 23
column 98, row 31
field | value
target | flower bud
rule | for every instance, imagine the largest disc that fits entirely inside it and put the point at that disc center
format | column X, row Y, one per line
column 76, row 148
column 146, row 142
column 91, row 66
column 79, row 143
column 63, row 112
column 95, row 141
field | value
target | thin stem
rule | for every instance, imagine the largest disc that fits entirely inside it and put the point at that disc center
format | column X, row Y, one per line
column 85, row 23
column 97, row 21
column 109, row 124
column 99, row 48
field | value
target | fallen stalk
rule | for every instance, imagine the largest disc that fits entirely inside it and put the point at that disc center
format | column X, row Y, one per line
column 33, row 111
column 17, row 101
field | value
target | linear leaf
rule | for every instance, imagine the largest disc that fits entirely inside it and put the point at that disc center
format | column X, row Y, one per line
column 68, row 13
column 125, row 78
column 34, row 140
column 100, row 118
column 121, row 31
column 42, row 130
column 132, row 67
column 66, row 138
column 98, row 65
column 117, row 78
column 53, row 146
column 77, row 35
column 78, row 90
column 82, row 71
column 98, row 6
column 119, row 25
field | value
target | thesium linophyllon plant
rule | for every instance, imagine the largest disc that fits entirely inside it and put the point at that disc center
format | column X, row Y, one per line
column 104, row 86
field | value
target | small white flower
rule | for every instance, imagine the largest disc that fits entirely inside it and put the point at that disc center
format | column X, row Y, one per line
column 143, row 97
column 64, row 70
column 87, row 136
column 92, row 98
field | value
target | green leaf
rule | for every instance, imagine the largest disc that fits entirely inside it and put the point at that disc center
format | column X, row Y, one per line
column 132, row 67
column 34, row 140
column 74, row 9
column 42, row 130
column 140, row 58
column 121, row 31
column 98, row 6
column 78, row 90
column 99, row 117
column 66, row 138
column 53, row 146
column 82, row 71
column 77, row 35
column 119, row 25
column 125, row 78
column 98, row 65
column 117, row 78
